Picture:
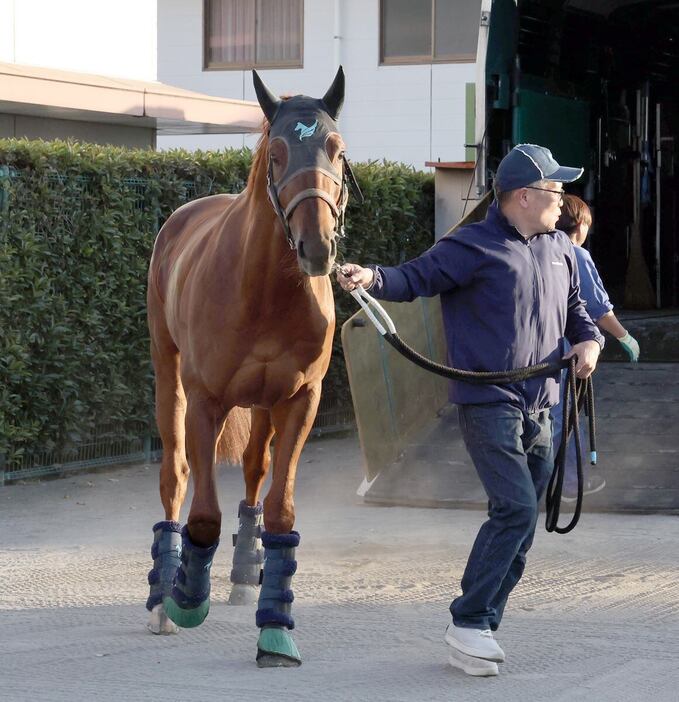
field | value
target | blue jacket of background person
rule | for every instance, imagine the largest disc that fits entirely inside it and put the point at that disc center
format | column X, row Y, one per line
column 507, row 303
column 592, row 290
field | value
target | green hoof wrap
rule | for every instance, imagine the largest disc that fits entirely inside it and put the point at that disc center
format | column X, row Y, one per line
column 276, row 649
column 186, row 618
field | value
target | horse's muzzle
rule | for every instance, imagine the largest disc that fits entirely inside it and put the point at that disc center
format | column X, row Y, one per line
column 316, row 257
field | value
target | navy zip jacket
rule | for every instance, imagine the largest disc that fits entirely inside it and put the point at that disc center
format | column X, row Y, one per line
column 507, row 303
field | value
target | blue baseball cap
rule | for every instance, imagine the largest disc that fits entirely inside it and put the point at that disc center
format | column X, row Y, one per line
column 528, row 163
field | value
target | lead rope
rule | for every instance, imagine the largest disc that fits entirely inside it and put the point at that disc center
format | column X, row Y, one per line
column 577, row 393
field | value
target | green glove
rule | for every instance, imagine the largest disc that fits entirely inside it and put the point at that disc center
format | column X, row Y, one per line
column 631, row 346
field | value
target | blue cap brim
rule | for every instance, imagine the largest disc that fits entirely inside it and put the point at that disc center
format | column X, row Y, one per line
column 565, row 174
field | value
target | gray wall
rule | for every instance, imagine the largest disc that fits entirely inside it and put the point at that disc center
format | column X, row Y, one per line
column 93, row 132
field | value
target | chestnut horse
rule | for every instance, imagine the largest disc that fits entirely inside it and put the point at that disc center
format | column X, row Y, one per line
column 241, row 316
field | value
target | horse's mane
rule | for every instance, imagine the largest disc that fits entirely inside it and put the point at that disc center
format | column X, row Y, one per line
column 260, row 161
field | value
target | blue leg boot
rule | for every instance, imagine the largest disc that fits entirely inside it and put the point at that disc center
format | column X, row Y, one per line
column 166, row 553
column 275, row 647
column 189, row 602
column 248, row 555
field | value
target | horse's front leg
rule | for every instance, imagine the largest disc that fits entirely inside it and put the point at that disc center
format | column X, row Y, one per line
column 189, row 602
column 248, row 553
column 174, row 475
column 292, row 421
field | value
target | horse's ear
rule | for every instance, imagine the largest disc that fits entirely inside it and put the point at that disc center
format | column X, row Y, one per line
column 267, row 100
column 334, row 98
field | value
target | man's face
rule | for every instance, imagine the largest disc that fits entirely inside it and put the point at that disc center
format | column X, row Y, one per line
column 544, row 202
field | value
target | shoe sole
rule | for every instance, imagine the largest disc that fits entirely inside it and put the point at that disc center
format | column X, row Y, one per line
column 473, row 652
column 584, row 492
column 478, row 667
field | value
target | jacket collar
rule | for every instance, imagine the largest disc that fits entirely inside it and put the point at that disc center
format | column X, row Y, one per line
column 495, row 217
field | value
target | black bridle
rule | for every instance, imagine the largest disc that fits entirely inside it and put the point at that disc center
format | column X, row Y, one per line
column 345, row 179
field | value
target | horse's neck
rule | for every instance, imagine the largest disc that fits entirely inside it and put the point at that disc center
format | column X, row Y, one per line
column 269, row 265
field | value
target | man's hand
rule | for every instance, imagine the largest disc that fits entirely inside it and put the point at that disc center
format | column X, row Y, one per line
column 351, row 275
column 588, row 354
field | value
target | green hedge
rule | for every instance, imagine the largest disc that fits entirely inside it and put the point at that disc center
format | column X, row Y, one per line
column 77, row 225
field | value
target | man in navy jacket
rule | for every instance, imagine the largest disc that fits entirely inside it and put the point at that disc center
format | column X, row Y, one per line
column 509, row 292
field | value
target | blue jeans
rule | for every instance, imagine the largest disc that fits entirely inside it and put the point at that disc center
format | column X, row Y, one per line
column 512, row 453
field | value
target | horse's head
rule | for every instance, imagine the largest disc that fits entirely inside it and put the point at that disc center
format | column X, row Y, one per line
column 307, row 172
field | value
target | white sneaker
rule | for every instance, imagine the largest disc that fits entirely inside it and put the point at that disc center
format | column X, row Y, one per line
column 479, row 667
column 474, row 642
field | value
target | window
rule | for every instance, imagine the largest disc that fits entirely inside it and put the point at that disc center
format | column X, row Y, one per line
column 253, row 33
column 428, row 30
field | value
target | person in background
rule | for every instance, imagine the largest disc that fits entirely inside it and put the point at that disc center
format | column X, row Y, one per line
column 575, row 221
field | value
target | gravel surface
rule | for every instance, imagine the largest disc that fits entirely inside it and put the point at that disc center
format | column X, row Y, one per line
column 596, row 616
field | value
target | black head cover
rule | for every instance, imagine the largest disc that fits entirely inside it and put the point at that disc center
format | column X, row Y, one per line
column 304, row 124
column 332, row 100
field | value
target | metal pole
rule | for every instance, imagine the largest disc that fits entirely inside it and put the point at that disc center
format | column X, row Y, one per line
column 658, row 166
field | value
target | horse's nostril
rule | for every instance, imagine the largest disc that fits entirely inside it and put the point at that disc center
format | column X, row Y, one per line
column 300, row 249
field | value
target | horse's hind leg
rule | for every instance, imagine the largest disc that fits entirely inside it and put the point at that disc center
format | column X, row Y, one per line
column 174, row 472
column 292, row 421
column 248, row 554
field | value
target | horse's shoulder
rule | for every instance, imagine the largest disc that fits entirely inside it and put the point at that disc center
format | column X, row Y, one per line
column 203, row 206
column 185, row 218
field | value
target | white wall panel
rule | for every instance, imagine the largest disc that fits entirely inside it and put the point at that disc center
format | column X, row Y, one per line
column 403, row 113
column 7, row 31
column 108, row 38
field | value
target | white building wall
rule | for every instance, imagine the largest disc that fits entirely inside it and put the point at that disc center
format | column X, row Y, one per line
column 106, row 38
column 411, row 114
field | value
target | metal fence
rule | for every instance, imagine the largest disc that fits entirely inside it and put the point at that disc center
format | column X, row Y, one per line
column 114, row 445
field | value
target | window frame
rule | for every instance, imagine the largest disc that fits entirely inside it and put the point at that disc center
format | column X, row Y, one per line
column 268, row 65
column 422, row 59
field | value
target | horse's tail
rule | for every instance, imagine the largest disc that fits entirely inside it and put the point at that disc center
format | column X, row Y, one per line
column 234, row 437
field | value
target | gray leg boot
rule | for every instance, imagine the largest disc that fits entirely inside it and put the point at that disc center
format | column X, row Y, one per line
column 248, row 555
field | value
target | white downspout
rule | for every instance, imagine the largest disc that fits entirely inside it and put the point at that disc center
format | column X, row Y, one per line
column 336, row 34
column 480, row 98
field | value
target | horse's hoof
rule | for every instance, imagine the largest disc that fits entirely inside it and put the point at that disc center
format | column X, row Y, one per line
column 243, row 594
column 160, row 623
column 186, row 618
column 276, row 649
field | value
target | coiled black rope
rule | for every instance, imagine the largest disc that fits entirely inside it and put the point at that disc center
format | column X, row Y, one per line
column 577, row 394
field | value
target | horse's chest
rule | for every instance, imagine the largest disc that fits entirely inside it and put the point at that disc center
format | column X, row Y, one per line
column 274, row 369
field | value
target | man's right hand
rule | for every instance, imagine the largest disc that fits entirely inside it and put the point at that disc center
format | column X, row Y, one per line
column 351, row 275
